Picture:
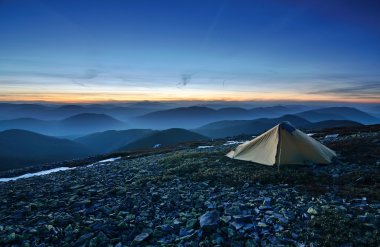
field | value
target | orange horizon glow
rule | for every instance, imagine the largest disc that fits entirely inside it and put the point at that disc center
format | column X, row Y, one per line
column 119, row 97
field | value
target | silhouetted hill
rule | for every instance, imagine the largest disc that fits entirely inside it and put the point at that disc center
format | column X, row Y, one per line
column 332, row 124
column 150, row 105
column 91, row 122
column 10, row 110
column 81, row 124
column 31, row 124
column 338, row 113
column 194, row 116
column 20, row 148
column 57, row 112
column 183, row 117
column 107, row 141
column 253, row 127
column 164, row 138
column 271, row 111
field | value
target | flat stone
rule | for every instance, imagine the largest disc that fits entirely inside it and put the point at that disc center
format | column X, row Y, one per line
column 140, row 238
column 209, row 220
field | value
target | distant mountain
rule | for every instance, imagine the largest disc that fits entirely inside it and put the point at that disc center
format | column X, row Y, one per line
column 338, row 113
column 332, row 124
column 253, row 127
column 183, row 117
column 107, row 141
column 80, row 124
column 194, row 116
column 86, row 123
column 150, row 104
column 164, row 138
column 271, row 111
column 20, row 148
column 246, row 127
column 57, row 112
column 30, row 124
column 9, row 110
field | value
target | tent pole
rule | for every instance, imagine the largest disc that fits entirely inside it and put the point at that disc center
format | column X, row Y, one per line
column 279, row 161
column 279, row 151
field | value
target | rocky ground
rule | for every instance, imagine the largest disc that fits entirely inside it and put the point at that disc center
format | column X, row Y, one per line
column 198, row 197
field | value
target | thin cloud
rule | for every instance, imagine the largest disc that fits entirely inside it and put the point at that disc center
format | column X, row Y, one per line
column 362, row 89
column 185, row 79
column 87, row 74
column 79, row 83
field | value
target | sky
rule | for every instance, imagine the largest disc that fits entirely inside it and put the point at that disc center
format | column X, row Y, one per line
column 132, row 50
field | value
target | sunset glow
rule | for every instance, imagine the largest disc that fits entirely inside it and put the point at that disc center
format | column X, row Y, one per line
column 213, row 50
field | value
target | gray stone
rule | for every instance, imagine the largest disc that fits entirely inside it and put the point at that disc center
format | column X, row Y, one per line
column 209, row 220
column 140, row 238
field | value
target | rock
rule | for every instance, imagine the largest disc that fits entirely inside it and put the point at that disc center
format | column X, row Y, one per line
column 83, row 239
column 230, row 232
column 267, row 201
column 139, row 239
column 10, row 238
column 262, row 224
column 218, row 240
column 312, row 211
column 225, row 218
column 251, row 243
column 237, row 225
column 102, row 239
column 191, row 223
column 278, row 228
column 155, row 196
column 209, row 220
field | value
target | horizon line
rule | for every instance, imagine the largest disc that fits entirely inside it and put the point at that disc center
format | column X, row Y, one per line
column 279, row 101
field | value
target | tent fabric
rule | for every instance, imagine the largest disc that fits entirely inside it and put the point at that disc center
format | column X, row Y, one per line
column 283, row 144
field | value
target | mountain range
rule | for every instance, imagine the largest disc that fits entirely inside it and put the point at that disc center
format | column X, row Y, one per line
column 111, row 140
column 227, row 128
column 195, row 116
column 58, row 112
column 80, row 124
column 338, row 113
column 164, row 138
column 20, row 148
column 38, row 141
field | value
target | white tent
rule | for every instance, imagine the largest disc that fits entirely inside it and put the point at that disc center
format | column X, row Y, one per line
column 283, row 144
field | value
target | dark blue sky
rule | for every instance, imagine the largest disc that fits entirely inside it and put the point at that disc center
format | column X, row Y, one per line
column 168, row 50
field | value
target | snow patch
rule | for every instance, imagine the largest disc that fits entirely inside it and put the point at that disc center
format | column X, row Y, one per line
column 41, row 173
column 101, row 162
column 203, row 147
column 332, row 136
column 228, row 143
column 45, row 172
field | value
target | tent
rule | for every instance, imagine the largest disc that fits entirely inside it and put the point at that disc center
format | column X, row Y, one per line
column 283, row 144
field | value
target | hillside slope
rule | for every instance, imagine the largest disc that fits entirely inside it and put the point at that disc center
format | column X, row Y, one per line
column 338, row 113
column 193, row 196
column 111, row 140
column 223, row 129
column 20, row 148
column 80, row 124
column 164, row 138
column 247, row 127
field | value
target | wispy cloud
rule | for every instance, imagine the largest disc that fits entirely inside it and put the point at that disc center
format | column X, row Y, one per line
column 185, row 79
column 85, row 74
column 357, row 89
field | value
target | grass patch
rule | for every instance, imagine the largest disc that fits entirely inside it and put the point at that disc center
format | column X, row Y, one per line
column 336, row 228
column 215, row 168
